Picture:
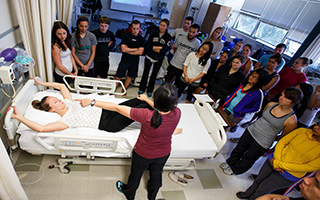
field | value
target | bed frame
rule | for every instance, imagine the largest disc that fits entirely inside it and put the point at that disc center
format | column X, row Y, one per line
column 78, row 149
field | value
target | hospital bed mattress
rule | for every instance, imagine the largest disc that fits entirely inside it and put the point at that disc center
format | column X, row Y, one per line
column 193, row 142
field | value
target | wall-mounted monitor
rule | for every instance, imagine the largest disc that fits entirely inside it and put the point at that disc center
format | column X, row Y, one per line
column 134, row 6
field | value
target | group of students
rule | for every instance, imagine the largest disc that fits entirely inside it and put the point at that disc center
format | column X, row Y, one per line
column 281, row 96
column 82, row 52
column 241, row 87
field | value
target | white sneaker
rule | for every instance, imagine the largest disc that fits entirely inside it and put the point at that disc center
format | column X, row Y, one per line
column 184, row 176
column 224, row 165
column 228, row 171
column 177, row 179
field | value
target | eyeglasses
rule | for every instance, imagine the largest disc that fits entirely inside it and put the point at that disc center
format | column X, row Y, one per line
column 255, row 77
column 205, row 49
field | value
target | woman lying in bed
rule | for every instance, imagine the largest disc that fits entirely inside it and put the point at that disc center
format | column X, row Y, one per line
column 73, row 115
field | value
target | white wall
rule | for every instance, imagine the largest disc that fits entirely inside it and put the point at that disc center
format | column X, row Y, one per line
column 8, row 21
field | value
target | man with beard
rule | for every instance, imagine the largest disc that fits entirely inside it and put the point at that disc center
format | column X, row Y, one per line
column 184, row 45
column 179, row 32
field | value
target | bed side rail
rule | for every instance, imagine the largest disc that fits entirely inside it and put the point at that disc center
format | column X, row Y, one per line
column 83, row 143
column 212, row 123
column 21, row 101
column 94, row 85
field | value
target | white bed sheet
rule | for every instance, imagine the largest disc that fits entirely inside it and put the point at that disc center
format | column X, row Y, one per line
column 193, row 142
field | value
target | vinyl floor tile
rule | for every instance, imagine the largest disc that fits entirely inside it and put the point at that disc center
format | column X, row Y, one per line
column 208, row 178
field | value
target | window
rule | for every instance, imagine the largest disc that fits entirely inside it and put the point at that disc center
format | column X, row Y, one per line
column 270, row 34
column 292, row 46
column 246, row 24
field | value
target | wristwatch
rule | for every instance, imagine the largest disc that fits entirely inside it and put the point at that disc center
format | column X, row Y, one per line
column 93, row 102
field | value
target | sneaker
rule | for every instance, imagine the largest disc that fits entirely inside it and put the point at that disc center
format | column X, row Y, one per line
column 184, row 176
column 242, row 195
column 119, row 186
column 228, row 171
column 149, row 94
column 224, row 165
column 233, row 129
column 234, row 140
column 177, row 179
column 125, row 94
column 140, row 92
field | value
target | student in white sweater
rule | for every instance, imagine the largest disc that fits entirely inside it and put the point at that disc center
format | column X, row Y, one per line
column 194, row 68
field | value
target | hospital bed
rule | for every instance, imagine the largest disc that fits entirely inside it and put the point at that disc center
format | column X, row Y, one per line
column 202, row 137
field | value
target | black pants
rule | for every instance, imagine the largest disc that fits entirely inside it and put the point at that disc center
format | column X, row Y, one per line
column 59, row 79
column 112, row 121
column 138, row 165
column 101, row 68
column 268, row 180
column 173, row 72
column 152, row 80
column 245, row 154
column 190, row 90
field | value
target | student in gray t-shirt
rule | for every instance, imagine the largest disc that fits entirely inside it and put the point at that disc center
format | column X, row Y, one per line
column 83, row 45
column 179, row 32
column 185, row 45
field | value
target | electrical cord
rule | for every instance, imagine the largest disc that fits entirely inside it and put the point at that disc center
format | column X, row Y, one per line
column 32, row 164
column 26, row 164
column 14, row 92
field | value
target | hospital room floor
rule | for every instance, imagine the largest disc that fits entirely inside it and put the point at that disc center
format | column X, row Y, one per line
column 98, row 181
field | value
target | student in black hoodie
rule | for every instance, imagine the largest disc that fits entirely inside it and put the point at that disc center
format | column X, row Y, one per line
column 156, row 48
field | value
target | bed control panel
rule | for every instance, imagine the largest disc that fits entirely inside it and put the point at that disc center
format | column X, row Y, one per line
column 88, row 145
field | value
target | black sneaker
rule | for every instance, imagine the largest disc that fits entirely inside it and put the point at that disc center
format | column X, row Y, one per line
column 242, row 195
column 119, row 185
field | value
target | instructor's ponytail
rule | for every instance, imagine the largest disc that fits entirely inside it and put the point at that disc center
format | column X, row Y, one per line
column 156, row 119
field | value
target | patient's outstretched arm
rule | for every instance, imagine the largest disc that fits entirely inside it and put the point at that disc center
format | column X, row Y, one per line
column 59, row 86
column 123, row 110
column 55, row 126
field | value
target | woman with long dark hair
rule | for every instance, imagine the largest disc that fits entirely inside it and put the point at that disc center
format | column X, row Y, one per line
column 258, row 137
column 83, row 45
column 247, row 98
column 154, row 143
column 194, row 68
column 226, row 79
column 156, row 48
column 215, row 65
column 61, row 52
